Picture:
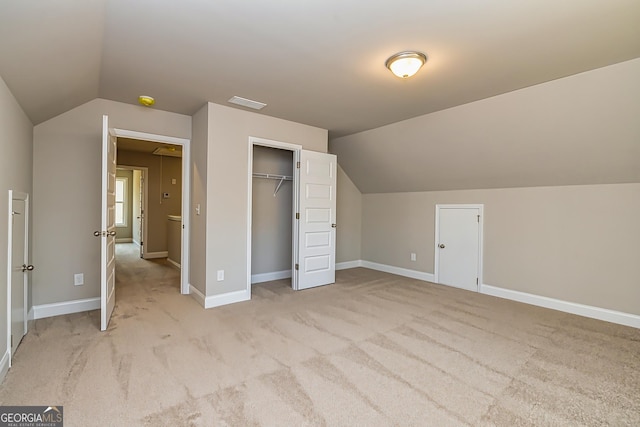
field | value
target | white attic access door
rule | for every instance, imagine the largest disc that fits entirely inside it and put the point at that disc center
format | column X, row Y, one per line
column 314, row 215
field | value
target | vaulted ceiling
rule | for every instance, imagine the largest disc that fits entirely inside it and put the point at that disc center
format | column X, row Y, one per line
column 318, row 62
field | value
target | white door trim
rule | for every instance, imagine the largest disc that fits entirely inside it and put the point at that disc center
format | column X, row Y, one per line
column 480, row 208
column 186, row 192
column 294, row 244
column 24, row 197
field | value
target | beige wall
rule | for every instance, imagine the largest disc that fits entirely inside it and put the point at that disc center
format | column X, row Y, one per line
column 198, row 221
column 126, row 231
column 349, row 220
column 16, row 146
column 271, row 228
column 228, row 135
column 66, row 192
column 573, row 243
column 161, row 170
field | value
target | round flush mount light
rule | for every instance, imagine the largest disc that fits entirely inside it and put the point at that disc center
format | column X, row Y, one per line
column 406, row 64
column 145, row 100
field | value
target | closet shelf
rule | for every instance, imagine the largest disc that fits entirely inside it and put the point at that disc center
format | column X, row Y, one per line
column 281, row 178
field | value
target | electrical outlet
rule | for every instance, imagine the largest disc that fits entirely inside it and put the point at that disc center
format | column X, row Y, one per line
column 220, row 275
column 413, row 256
column 78, row 279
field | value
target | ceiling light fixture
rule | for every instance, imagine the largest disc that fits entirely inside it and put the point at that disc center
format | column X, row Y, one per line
column 145, row 100
column 406, row 64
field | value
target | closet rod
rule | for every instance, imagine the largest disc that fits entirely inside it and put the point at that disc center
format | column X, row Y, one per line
column 272, row 176
column 281, row 178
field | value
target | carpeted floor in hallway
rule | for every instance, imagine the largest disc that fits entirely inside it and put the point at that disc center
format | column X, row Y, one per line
column 373, row 349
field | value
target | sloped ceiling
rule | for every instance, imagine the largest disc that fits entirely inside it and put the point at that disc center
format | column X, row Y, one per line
column 318, row 62
column 321, row 62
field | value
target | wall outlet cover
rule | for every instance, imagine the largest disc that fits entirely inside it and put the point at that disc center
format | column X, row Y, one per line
column 220, row 275
column 78, row 279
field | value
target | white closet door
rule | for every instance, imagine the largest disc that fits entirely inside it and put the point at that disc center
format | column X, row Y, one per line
column 317, row 223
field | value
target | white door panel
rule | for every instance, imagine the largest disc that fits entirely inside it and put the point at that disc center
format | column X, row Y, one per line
column 108, row 228
column 18, row 261
column 458, row 246
column 316, row 226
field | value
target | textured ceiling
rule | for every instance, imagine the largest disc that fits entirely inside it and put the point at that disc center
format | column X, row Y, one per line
column 318, row 62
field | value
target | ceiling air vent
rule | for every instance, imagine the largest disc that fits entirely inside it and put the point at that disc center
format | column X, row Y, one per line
column 247, row 103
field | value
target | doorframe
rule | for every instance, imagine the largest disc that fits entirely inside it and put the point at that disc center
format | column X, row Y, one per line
column 25, row 284
column 145, row 198
column 296, row 149
column 186, row 191
column 436, row 268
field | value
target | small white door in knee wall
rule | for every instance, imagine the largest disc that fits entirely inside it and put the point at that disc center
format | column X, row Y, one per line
column 458, row 252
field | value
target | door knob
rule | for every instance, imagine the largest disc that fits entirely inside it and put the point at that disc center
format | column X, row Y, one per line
column 441, row 246
column 26, row 267
column 334, row 225
column 97, row 233
column 111, row 233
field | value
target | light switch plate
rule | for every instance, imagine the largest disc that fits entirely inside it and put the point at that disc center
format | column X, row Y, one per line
column 220, row 275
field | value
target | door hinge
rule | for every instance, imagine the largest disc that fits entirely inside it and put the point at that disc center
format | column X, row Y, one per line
column 478, row 218
column 297, row 267
column 297, row 215
column 476, row 280
column 11, row 342
column 297, row 165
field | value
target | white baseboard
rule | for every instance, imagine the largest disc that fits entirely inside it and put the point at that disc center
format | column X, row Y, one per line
column 228, row 298
column 267, row 277
column 4, row 364
column 427, row 277
column 135, row 241
column 348, row 264
column 607, row 315
column 30, row 314
column 172, row 262
column 124, row 240
column 66, row 307
column 152, row 255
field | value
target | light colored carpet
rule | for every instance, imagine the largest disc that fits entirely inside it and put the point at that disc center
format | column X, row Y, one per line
column 373, row 349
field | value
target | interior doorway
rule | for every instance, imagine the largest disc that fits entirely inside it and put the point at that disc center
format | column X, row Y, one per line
column 272, row 219
column 149, row 201
column 135, row 137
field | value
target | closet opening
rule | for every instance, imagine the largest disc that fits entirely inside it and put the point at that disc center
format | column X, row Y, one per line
column 272, row 204
column 272, row 228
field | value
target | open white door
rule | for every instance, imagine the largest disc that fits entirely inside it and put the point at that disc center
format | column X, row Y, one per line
column 18, row 268
column 316, row 258
column 108, row 232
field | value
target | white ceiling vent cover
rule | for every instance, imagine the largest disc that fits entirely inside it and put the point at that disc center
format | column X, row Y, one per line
column 247, row 103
